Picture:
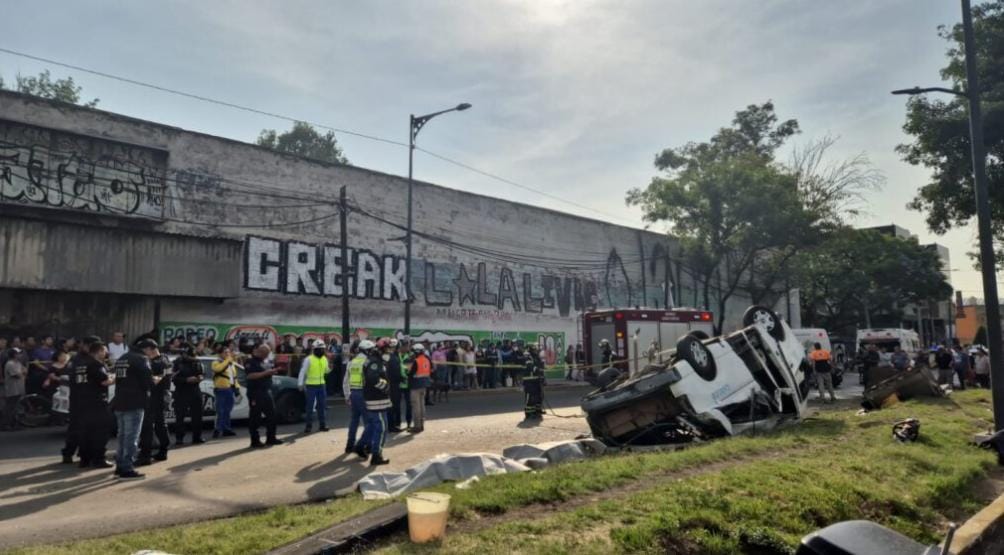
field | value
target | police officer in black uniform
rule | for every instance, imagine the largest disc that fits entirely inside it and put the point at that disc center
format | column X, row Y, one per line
column 133, row 383
column 259, row 392
column 73, row 430
column 187, row 395
column 93, row 378
column 153, row 419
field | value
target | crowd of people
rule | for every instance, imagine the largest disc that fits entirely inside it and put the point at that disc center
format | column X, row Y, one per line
column 386, row 384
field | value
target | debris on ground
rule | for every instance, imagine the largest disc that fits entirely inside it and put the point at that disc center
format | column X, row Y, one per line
column 905, row 384
column 906, row 430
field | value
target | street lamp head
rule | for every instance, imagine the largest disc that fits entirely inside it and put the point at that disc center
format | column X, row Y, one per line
column 462, row 107
column 915, row 90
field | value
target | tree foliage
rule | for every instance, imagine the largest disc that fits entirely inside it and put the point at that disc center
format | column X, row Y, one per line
column 304, row 140
column 727, row 201
column 859, row 275
column 981, row 336
column 63, row 90
column 940, row 128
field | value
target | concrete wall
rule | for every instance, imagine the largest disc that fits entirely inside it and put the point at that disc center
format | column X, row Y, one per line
column 513, row 267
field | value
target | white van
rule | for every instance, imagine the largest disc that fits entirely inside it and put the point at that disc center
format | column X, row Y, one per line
column 808, row 337
column 888, row 338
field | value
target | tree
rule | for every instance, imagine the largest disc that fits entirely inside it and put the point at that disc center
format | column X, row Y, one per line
column 728, row 202
column 63, row 90
column 304, row 140
column 981, row 336
column 833, row 191
column 858, row 275
column 940, row 129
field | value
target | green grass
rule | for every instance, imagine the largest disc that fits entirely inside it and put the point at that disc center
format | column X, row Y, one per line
column 765, row 505
column 765, row 494
column 250, row 533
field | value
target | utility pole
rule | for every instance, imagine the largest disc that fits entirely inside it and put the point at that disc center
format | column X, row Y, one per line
column 415, row 124
column 988, row 262
column 343, row 216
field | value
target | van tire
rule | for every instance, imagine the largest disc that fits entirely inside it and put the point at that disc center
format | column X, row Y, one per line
column 289, row 408
column 700, row 334
column 697, row 355
column 763, row 315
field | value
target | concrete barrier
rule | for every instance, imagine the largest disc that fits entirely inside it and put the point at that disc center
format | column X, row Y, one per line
column 983, row 533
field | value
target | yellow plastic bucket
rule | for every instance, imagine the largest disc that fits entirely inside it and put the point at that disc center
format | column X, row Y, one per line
column 427, row 513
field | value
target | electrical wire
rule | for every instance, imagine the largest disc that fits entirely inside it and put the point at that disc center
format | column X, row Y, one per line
column 315, row 124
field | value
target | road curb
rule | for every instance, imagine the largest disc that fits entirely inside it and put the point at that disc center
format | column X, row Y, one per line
column 983, row 532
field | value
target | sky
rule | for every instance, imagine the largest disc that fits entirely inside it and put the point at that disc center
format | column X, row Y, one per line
column 573, row 98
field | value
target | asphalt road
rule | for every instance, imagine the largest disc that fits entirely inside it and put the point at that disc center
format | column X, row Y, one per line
column 42, row 501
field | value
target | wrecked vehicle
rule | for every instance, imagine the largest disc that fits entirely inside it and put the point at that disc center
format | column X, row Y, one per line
column 711, row 387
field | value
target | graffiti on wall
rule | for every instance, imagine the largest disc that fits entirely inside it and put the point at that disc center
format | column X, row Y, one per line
column 55, row 169
column 551, row 343
column 299, row 268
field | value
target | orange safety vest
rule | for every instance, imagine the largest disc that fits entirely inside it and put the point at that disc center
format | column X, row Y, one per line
column 423, row 368
column 819, row 354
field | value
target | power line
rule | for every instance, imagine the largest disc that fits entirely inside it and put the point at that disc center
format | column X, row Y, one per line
column 197, row 96
column 315, row 124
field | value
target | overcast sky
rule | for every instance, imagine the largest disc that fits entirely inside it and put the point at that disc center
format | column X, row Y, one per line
column 573, row 98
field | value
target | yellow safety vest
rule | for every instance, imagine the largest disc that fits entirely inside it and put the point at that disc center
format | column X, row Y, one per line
column 356, row 372
column 316, row 371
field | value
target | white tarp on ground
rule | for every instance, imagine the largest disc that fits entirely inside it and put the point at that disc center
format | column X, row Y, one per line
column 436, row 470
column 458, row 468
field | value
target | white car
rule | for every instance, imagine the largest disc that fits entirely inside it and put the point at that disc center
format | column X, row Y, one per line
column 289, row 400
column 720, row 386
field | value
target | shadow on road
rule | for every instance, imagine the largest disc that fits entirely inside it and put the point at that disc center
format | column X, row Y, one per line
column 53, row 492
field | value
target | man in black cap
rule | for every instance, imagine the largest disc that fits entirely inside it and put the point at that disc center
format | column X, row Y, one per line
column 153, row 418
column 93, row 378
column 133, row 382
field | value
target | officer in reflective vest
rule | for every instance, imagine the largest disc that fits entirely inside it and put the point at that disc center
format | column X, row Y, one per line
column 533, row 385
column 352, row 386
column 312, row 377
column 405, row 363
column 419, row 378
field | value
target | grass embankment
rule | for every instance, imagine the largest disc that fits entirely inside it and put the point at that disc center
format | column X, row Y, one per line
column 745, row 494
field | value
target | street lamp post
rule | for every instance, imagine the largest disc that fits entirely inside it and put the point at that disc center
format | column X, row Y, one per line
column 988, row 263
column 415, row 125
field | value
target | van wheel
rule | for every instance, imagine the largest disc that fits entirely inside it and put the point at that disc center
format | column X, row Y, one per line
column 766, row 317
column 697, row 355
column 700, row 334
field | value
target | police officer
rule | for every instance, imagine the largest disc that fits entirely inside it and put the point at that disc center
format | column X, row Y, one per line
column 92, row 379
column 394, row 378
column 312, row 382
column 259, row 392
column 376, row 392
column 187, row 395
column 353, row 389
column 533, row 385
column 153, row 418
column 73, row 430
column 133, row 383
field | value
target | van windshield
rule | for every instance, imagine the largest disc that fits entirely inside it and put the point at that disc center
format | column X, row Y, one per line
column 885, row 345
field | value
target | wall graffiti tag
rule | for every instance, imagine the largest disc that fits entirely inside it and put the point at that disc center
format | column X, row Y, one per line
column 297, row 268
column 55, row 169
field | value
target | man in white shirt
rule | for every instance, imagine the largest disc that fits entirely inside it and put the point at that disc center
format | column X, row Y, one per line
column 117, row 347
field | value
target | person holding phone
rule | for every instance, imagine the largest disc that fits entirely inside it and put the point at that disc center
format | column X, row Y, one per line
column 260, row 398
column 225, row 389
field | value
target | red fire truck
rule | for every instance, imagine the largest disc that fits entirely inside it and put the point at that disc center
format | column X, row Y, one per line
column 633, row 332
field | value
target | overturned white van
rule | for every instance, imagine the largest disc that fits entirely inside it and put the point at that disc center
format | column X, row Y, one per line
column 712, row 387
